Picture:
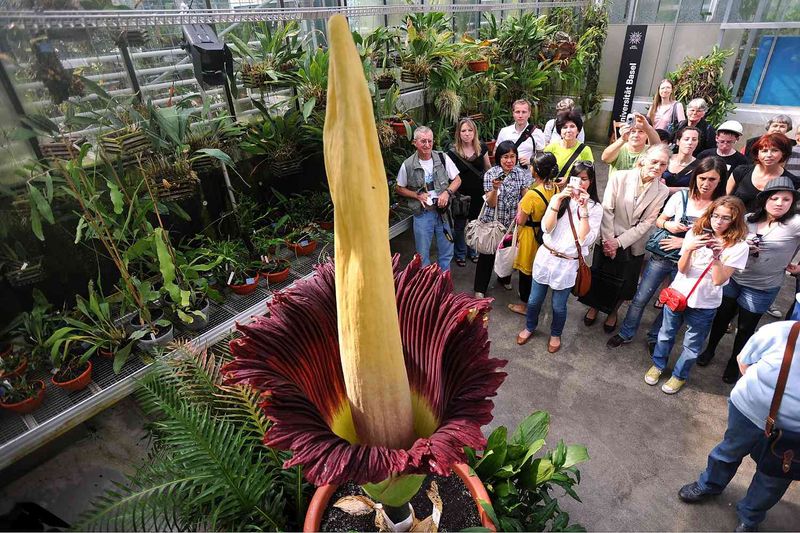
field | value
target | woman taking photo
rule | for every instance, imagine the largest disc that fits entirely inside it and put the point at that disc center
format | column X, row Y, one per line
column 556, row 264
column 706, row 185
column 770, row 153
column 528, row 138
column 773, row 235
column 472, row 159
column 568, row 125
column 631, row 203
column 665, row 112
column 505, row 184
column 712, row 250
column 529, row 216
column 681, row 165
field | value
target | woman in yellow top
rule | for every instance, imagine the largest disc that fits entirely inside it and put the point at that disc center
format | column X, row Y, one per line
column 568, row 125
column 531, row 209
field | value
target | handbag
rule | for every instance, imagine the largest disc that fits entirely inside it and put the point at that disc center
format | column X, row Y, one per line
column 506, row 253
column 484, row 237
column 673, row 298
column 672, row 127
column 654, row 241
column 781, row 455
column 459, row 205
column 583, row 280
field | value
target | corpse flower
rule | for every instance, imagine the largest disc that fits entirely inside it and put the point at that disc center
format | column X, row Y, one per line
column 369, row 373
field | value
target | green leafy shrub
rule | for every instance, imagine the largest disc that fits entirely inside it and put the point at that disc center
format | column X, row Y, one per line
column 521, row 484
column 702, row 77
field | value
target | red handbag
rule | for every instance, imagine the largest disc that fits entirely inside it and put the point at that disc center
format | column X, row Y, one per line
column 673, row 298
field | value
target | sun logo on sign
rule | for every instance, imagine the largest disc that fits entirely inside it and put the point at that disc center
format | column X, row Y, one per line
column 635, row 38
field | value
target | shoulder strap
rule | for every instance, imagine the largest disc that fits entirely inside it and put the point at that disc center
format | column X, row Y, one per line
column 575, row 235
column 696, row 283
column 684, row 216
column 530, row 222
column 472, row 167
column 537, row 191
column 788, row 354
column 571, row 160
column 524, row 136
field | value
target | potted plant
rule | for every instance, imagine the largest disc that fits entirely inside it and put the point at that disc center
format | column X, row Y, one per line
column 149, row 325
column 93, row 325
column 282, row 140
column 34, row 329
column 407, row 386
column 243, row 277
column 70, row 358
column 12, row 363
column 274, row 267
column 303, row 240
column 276, row 58
column 20, row 395
column 321, row 208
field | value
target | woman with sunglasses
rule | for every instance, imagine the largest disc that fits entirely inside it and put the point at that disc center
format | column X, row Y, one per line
column 773, row 235
column 556, row 264
column 529, row 216
column 712, row 250
column 706, row 185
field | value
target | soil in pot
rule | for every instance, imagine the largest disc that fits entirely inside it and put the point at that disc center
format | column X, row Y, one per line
column 29, row 404
column 18, row 370
column 73, row 378
column 240, row 284
column 458, row 507
column 305, row 247
column 276, row 271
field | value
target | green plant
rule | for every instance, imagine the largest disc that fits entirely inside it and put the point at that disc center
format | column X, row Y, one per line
column 702, row 77
column 280, row 49
column 312, row 83
column 320, row 206
column 590, row 47
column 521, row 39
column 282, row 138
column 209, row 469
column 35, row 328
column 15, row 390
column 93, row 324
column 519, row 479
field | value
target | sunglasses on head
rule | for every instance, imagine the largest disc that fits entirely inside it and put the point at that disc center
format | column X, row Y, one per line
column 585, row 163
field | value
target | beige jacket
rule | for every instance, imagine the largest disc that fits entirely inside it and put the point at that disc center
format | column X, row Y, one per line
column 627, row 218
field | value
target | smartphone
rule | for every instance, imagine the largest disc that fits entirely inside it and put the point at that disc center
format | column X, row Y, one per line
column 709, row 231
column 575, row 182
column 630, row 119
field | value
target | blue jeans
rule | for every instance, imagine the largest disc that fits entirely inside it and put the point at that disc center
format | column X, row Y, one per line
column 742, row 438
column 426, row 225
column 535, row 301
column 698, row 324
column 462, row 251
column 754, row 300
column 656, row 271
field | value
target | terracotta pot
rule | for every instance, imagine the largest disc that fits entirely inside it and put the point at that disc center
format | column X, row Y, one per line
column 399, row 127
column 326, row 225
column 78, row 383
column 321, row 500
column 106, row 354
column 490, row 146
column 306, row 249
column 246, row 288
column 277, row 277
column 17, row 371
column 480, row 65
column 26, row 406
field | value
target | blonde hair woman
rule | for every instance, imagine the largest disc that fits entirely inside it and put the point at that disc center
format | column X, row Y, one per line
column 665, row 110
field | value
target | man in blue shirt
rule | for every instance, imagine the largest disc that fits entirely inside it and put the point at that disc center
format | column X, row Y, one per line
column 748, row 408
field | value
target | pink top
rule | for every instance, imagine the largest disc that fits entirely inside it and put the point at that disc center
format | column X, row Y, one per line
column 664, row 115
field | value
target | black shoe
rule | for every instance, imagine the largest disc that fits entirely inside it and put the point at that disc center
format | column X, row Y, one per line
column 609, row 328
column 692, row 493
column 589, row 321
column 744, row 527
column 616, row 341
column 651, row 347
column 704, row 358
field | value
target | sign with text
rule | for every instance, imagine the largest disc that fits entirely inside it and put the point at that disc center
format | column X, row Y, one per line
column 629, row 67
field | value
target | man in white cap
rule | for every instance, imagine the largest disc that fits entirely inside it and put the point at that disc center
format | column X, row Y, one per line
column 728, row 134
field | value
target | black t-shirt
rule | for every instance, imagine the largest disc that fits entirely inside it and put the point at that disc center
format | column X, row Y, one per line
column 682, row 178
column 471, row 182
column 746, row 191
column 734, row 160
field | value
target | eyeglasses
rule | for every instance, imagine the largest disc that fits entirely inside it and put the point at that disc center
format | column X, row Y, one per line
column 425, row 141
column 723, row 218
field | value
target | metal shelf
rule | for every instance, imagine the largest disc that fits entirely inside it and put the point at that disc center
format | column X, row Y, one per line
column 61, row 411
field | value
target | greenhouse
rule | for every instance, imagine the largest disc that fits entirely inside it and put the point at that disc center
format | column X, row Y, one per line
column 399, row 265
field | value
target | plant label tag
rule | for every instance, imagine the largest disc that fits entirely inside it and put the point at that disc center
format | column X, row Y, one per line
column 230, row 278
column 265, row 258
column 249, row 281
column 304, row 242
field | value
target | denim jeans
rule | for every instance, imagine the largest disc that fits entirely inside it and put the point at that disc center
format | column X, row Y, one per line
column 426, row 225
column 754, row 300
column 656, row 271
column 538, row 294
column 462, row 251
column 698, row 324
column 742, row 438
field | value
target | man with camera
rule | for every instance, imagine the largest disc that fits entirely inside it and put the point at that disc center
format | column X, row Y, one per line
column 427, row 180
column 633, row 137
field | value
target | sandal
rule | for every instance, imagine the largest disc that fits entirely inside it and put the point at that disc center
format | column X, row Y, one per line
column 520, row 309
column 474, row 259
column 589, row 321
column 461, row 262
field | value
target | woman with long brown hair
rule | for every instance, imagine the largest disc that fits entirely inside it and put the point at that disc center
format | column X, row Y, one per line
column 712, row 250
column 665, row 112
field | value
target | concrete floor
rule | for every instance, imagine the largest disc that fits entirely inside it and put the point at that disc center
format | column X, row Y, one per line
column 643, row 444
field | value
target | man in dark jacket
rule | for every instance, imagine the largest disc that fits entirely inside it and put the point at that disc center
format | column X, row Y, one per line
column 695, row 116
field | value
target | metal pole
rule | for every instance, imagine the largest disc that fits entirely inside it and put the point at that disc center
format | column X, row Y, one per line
column 751, row 37
column 764, row 70
column 128, row 62
column 725, row 19
column 8, row 85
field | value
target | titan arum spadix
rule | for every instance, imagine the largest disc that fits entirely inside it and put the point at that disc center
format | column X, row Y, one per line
column 370, row 373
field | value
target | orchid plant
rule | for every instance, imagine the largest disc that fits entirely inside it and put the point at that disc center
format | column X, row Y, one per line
column 407, row 385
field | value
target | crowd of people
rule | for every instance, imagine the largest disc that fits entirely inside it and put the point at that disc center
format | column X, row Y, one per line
column 703, row 228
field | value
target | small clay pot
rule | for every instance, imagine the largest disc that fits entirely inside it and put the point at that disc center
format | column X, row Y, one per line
column 399, row 127
column 277, row 277
column 322, row 496
column 300, row 249
column 26, row 406
column 479, row 65
column 245, row 288
column 23, row 365
column 78, row 383
column 326, row 225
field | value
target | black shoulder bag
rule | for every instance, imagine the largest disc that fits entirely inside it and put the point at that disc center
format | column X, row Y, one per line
column 459, row 203
column 781, row 455
column 571, row 160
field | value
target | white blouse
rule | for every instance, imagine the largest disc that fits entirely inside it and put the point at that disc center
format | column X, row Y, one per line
column 557, row 272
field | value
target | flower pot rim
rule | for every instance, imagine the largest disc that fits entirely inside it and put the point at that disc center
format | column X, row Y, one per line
column 319, row 502
column 74, row 381
column 23, row 364
column 12, row 406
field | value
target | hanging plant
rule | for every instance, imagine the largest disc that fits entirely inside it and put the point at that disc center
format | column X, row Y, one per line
column 172, row 179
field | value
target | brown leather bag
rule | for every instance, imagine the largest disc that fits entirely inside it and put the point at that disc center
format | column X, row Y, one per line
column 583, row 281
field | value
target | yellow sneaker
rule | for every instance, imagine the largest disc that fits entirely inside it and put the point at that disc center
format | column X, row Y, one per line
column 652, row 376
column 672, row 385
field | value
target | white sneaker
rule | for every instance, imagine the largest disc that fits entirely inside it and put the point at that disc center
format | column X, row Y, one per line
column 774, row 311
column 479, row 295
